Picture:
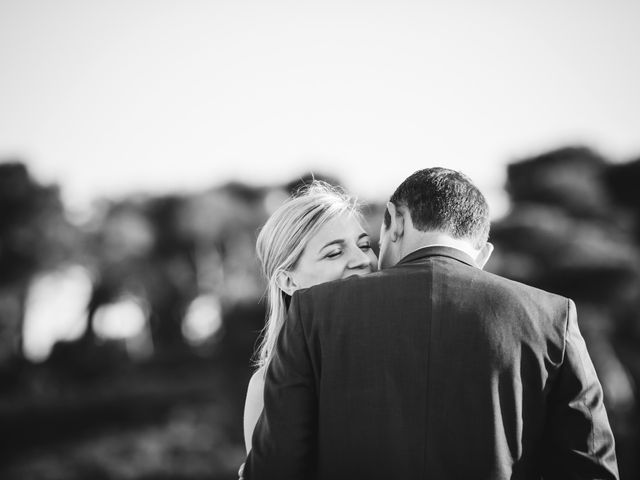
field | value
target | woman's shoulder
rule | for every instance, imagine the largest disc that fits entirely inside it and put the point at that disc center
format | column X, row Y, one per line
column 255, row 393
column 253, row 404
column 257, row 379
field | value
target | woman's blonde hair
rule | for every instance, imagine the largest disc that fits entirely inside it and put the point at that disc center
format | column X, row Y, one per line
column 282, row 240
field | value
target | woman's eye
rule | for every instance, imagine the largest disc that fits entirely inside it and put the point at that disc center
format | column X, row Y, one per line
column 365, row 246
column 333, row 254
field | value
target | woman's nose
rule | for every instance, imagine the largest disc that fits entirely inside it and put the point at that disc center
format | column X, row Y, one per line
column 359, row 259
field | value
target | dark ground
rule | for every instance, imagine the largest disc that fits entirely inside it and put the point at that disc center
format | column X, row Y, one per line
column 178, row 420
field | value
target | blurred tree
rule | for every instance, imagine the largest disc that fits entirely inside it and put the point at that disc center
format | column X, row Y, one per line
column 223, row 222
column 168, row 250
column 35, row 235
column 570, row 178
column 119, row 242
column 139, row 250
column 174, row 283
column 622, row 182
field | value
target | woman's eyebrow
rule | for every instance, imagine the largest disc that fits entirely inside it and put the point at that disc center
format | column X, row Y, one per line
column 333, row 242
column 341, row 241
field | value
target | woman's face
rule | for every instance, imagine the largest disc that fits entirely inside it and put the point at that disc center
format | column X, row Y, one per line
column 340, row 249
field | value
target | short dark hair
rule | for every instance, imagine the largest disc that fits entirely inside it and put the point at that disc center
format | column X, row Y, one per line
column 439, row 199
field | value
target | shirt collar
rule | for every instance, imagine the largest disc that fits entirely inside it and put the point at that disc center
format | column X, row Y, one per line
column 438, row 250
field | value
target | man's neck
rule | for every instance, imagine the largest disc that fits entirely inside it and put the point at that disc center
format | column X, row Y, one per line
column 433, row 239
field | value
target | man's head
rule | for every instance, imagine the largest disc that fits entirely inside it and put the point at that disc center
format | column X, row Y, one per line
column 435, row 205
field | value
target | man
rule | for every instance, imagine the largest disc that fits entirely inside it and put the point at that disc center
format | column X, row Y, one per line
column 432, row 368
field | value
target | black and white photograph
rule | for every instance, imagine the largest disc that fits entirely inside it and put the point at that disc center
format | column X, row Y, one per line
column 319, row 240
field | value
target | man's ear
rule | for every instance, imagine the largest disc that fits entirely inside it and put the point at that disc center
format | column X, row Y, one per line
column 396, row 227
column 286, row 282
column 483, row 256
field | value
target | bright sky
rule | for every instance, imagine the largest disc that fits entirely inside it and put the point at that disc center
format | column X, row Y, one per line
column 110, row 97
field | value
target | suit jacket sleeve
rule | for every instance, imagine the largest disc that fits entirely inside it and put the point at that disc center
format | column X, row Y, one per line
column 284, row 440
column 579, row 443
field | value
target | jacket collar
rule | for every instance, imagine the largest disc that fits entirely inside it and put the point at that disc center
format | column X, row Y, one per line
column 437, row 251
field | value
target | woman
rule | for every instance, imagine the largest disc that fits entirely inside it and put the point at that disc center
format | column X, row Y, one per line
column 315, row 237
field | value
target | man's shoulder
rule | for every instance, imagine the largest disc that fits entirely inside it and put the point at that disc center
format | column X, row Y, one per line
column 380, row 283
column 323, row 293
column 521, row 288
column 349, row 283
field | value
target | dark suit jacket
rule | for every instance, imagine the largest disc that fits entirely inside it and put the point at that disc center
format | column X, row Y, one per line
column 431, row 369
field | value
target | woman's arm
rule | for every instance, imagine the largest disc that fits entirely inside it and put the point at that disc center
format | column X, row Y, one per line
column 253, row 405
